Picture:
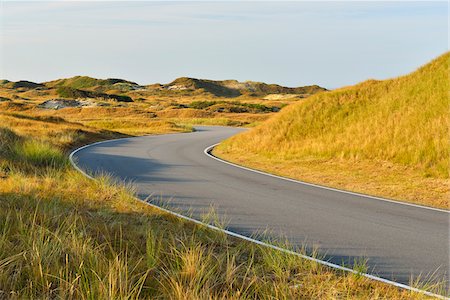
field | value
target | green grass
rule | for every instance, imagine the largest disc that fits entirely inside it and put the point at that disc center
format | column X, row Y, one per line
column 40, row 154
column 139, row 126
column 85, row 82
column 208, row 121
column 57, row 246
column 397, row 126
column 69, row 92
column 65, row 236
column 28, row 154
column 233, row 106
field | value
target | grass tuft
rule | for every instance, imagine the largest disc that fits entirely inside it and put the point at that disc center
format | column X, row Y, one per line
column 40, row 154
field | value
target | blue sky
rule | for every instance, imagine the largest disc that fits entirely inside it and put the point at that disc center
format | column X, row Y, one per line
column 291, row 43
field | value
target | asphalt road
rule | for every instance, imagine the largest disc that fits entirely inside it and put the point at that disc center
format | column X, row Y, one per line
column 399, row 241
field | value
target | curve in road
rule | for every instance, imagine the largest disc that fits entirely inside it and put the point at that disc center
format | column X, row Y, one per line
column 400, row 242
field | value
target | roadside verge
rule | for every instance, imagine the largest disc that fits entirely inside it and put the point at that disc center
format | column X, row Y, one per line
column 230, row 233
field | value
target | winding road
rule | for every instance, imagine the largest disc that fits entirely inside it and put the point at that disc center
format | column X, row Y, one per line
column 399, row 241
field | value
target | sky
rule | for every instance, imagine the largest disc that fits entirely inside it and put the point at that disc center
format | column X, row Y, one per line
column 331, row 44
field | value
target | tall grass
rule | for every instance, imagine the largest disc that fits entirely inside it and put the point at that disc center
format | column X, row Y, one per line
column 55, row 255
column 29, row 154
column 67, row 237
column 138, row 126
column 40, row 154
column 401, row 122
column 50, row 253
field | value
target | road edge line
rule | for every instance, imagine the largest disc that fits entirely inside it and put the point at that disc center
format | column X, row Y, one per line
column 208, row 150
column 243, row 237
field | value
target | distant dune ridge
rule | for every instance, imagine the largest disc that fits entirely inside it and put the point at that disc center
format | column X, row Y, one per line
column 234, row 88
column 224, row 88
column 395, row 129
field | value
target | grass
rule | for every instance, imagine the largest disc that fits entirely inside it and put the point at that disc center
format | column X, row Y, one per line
column 40, row 154
column 68, row 92
column 233, row 106
column 138, row 127
column 151, row 112
column 387, row 138
column 67, row 237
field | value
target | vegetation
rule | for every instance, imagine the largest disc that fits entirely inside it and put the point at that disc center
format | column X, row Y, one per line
column 85, row 82
column 125, row 107
column 233, row 106
column 85, row 124
column 22, row 84
column 68, row 92
column 65, row 236
column 388, row 138
column 234, row 88
column 213, row 87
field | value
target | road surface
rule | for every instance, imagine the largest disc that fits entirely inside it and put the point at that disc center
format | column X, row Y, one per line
column 399, row 241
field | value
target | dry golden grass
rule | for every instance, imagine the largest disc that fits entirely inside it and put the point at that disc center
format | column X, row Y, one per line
column 131, row 121
column 65, row 236
column 134, row 119
column 53, row 130
column 148, row 114
column 388, row 138
column 370, row 177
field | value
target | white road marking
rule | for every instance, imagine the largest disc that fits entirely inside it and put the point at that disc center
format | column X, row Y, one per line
column 237, row 235
column 209, row 148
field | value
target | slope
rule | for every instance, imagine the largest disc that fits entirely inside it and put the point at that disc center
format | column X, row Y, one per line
column 234, row 88
column 387, row 138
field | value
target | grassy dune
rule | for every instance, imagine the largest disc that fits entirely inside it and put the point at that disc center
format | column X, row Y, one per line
column 387, row 138
column 63, row 236
column 128, row 108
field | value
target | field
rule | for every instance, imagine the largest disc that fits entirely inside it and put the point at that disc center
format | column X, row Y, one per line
column 128, row 108
column 387, row 138
column 65, row 236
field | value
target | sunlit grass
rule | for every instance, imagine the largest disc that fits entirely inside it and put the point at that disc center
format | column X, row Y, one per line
column 138, row 127
column 65, row 236
column 40, row 154
column 387, row 138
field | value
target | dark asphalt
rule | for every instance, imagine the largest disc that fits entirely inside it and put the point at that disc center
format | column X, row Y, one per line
column 399, row 241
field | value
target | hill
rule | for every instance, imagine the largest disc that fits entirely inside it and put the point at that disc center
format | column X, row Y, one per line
column 72, row 93
column 184, row 86
column 234, row 88
column 21, row 84
column 64, row 236
column 85, row 82
column 388, row 138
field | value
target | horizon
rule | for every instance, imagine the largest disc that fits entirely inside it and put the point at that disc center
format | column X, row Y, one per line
column 225, row 79
column 156, row 42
